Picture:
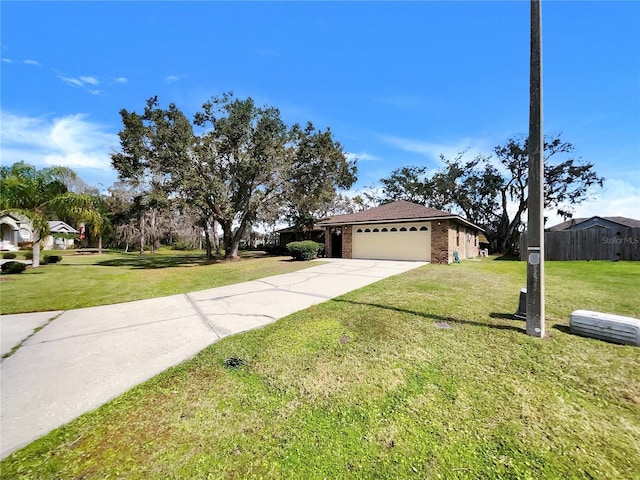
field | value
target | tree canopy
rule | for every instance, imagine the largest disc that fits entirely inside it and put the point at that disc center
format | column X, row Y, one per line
column 242, row 167
column 491, row 191
column 42, row 195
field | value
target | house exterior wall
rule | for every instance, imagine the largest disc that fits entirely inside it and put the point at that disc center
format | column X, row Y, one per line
column 347, row 241
column 467, row 242
column 327, row 242
column 58, row 243
column 442, row 241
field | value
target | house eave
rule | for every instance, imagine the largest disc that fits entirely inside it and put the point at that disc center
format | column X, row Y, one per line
column 400, row 220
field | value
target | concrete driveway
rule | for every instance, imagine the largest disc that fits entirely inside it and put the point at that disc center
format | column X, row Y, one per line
column 81, row 359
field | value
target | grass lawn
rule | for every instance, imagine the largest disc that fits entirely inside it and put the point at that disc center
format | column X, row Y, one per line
column 370, row 386
column 112, row 277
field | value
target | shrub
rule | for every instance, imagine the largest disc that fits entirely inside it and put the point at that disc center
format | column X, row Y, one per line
column 28, row 255
column 13, row 267
column 9, row 255
column 51, row 259
column 274, row 250
column 306, row 250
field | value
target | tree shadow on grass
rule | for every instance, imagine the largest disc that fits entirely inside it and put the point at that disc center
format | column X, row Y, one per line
column 157, row 261
column 440, row 318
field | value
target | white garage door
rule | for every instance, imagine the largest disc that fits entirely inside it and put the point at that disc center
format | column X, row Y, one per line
column 393, row 241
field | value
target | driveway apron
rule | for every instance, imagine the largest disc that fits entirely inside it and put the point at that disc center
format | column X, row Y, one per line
column 81, row 359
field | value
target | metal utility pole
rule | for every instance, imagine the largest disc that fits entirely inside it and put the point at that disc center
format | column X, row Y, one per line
column 535, row 205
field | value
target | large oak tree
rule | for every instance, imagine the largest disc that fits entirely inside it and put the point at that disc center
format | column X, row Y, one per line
column 243, row 166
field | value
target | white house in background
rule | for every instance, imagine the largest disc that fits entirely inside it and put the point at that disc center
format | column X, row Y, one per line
column 59, row 237
column 15, row 229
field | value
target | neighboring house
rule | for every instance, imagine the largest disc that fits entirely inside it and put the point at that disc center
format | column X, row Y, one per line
column 593, row 238
column 611, row 223
column 12, row 231
column 291, row 234
column 61, row 237
column 401, row 231
column 15, row 229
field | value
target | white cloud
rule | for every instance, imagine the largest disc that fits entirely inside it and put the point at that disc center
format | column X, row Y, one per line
column 31, row 62
column 83, row 81
column 361, row 157
column 89, row 80
column 74, row 82
column 7, row 60
column 618, row 198
column 433, row 150
column 121, row 80
column 173, row 78
column 71, row 141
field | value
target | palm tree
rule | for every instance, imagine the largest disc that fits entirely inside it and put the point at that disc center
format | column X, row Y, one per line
column 42, row 194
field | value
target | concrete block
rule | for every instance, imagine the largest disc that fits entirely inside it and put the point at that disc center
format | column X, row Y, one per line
column 606, row 326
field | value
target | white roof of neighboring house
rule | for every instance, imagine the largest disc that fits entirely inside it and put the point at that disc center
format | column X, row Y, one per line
column 58, row 226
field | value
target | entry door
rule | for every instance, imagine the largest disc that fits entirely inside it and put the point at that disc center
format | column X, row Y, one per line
column 336, row 243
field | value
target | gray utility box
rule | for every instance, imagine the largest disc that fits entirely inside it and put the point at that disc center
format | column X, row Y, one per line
column 605, row 326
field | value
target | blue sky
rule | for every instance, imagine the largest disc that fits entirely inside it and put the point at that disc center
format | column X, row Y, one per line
column 397, row 82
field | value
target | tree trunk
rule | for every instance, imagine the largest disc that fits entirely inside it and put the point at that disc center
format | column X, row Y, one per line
column 152, row 233
column 216, row 239
column 207, row 241
column 141, row 235
column 232, row 252
column 35, row 261
column 99, row 243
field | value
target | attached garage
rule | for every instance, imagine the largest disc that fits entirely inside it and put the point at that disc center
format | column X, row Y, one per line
column 393, row 241
column 401, row 231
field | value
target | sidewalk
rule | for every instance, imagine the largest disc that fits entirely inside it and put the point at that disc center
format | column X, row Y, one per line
column 83, row 358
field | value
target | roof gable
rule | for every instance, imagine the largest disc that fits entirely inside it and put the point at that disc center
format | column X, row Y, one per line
column 576, row 223
column 58, row 226
column 400, row 210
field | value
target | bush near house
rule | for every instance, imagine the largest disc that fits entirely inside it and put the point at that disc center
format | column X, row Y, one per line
column 270, row 249
column 305, row 250
column 13, row 267
column 51, row 259
column 9, row 255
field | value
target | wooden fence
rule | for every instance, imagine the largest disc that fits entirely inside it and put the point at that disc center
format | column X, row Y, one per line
column 591, row 244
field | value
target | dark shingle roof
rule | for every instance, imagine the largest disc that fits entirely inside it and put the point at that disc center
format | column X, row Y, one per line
column 399, row 210
column 623, row 221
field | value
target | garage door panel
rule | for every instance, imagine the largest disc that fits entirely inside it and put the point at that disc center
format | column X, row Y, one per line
column 398, row 242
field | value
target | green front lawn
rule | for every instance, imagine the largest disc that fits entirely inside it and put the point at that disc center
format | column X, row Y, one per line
column 369, row 386
column 113, row 277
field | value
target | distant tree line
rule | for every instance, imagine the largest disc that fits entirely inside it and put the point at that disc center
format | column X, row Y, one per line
column 491, row 191
column 237, row 165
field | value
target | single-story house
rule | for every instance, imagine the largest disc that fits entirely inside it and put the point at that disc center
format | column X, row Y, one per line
column 16, row 229
column 612, row 223
column 13, row 229
column 401, row 230
column 61, row 237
